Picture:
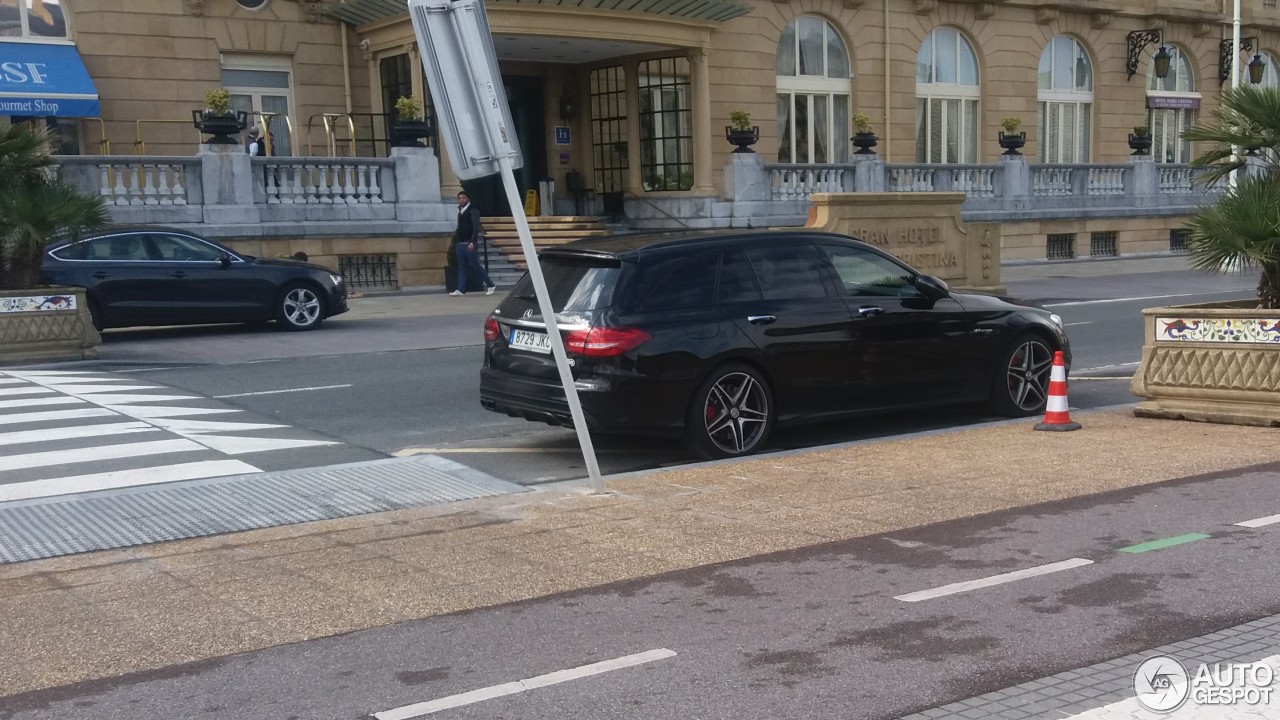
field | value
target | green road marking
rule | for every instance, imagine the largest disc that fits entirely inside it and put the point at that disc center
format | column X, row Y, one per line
column 1162, row 544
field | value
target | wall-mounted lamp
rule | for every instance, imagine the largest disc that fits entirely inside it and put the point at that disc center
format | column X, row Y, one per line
column 568, row 108
column 1256, row 66
column 1138, row 41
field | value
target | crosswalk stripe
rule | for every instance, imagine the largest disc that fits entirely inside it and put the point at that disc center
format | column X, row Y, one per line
column 11, row 381
column 124, row 478
column 32, row 402
column 34, row 417
column 106, row 452
column 74, row 432
column 130, row 398
column 94, row 389
column 37, row 390
column 63, row 381
column 148, row 412
column 48, row 373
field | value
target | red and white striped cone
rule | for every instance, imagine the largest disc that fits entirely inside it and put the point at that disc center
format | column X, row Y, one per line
column 1056, row 415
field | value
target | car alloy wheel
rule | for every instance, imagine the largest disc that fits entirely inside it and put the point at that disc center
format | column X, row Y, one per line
column 300, row 308
column 1026, row 371
column 733, row 414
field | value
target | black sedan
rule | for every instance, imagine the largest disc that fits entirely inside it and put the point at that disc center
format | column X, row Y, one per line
column 162, row 276
column 719, row 336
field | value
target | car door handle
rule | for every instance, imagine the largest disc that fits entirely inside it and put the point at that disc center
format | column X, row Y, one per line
column 179, row 274
column 761, row 319
column 870, row 310
column 99, row 275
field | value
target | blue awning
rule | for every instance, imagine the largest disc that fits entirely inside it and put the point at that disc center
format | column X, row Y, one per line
column 45, row 79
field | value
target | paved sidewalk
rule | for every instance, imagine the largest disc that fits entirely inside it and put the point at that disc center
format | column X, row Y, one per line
column 102, row 614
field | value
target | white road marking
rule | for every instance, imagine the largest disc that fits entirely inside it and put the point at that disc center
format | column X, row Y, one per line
column 33, row 402
column 185, row 427
column 1146, row 297
column 55, row 415
column 1259, row 522
column 409, row 452
column 244, row 445
column 124, row 478
column 93, row 454
column 277, row 392
column 37, row 390
column 72, row 432
column 1086, row 322
column 93, row 389
column 11, row 381
column 130, row 398
column 148, row 412
column 968, row 585
column 511, row 688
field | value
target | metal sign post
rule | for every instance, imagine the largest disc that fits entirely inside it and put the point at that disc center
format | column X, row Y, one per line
column 462, row 73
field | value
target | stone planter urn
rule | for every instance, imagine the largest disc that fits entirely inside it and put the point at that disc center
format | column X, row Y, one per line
column 221, row 127
column 49, row 323
column 744, row 139
column 409, row 133
column 1216, row 362
column 1139, row 144
column 864, row 141
column 1011, row 142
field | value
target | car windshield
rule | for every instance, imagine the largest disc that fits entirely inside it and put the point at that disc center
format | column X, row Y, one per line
column 576, row 284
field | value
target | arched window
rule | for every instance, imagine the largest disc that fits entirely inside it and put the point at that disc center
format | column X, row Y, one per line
column 813, row 93
column 946, row 99
column 1065, row 93
column 1172, row 101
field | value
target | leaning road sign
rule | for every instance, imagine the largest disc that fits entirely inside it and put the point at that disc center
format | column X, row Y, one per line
column 475, row 122
column 462, row 73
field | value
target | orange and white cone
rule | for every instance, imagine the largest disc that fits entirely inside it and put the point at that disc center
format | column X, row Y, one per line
column 1056, row 415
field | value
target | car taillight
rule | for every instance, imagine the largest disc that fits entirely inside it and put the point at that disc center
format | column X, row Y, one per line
column 604, row 342
column 491, row 331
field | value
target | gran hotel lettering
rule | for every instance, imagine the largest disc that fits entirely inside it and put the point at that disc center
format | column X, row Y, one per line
column 920, row 246
column 911, row 235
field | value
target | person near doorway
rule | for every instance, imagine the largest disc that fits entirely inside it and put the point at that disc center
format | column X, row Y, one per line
column 255, row 144
column 466, row 241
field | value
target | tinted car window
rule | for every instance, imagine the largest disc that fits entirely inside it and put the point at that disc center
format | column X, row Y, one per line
column 575, row 285
column 112, row 247
column 737, row 280
column 183, row 248
column 788, row 272
column 866, row 274
column 683, row 283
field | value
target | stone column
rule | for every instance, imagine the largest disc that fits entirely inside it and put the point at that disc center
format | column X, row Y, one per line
column 417, row 174
column 702, row 137
column 227, row 177
column 868, row 173
column 745, row 179
column 1015, row 185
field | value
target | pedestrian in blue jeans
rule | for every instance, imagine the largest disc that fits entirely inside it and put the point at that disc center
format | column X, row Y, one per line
column 465, row 240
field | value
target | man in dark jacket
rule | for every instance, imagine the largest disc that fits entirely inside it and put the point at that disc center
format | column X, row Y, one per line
column 466, row 239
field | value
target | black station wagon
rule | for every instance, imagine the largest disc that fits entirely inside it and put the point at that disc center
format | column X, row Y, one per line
column 717, row 337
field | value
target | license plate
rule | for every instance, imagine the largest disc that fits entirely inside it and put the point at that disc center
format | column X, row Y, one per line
column 538, row 342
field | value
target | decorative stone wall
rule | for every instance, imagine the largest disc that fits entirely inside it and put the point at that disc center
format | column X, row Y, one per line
column 46, row 324
column 1212, row 363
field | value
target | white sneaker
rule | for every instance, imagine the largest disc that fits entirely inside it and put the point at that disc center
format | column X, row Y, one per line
column 457, row 293
column 489, row 290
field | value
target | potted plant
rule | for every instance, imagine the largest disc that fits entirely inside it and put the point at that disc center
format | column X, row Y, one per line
column 741, row 132
column 1140, row 140
column 863, row 138
column 408, row 126
column 1220, row 362
column 1010, row 137
column 218, row 119
column 39, row 322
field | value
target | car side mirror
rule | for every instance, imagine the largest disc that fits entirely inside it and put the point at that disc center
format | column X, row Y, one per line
column 931, row 286
column 225, row 260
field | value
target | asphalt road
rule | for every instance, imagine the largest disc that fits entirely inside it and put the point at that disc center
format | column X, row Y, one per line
column 406, row 382
column 812, row 633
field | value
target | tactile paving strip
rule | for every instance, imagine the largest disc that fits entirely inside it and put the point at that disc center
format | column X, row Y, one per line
column 50, row 527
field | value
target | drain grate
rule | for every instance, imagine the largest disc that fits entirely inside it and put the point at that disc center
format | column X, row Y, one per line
column 50, row 527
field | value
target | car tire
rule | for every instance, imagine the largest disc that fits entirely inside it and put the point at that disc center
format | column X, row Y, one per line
column 1021, row 385
column 731, row 413
column 299, row 307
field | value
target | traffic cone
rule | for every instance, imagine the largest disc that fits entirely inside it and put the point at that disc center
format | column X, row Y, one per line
column 1056, row 415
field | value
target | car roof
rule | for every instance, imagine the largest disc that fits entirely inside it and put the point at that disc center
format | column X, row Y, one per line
column 632, row 246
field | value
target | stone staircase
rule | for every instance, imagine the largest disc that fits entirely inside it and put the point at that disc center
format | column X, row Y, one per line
column 506, row 258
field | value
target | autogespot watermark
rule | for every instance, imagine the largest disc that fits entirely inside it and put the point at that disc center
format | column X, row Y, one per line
column 1162, row 684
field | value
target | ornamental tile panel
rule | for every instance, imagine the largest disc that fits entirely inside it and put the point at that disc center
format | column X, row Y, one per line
column 37, row 303
column 1218, row 330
